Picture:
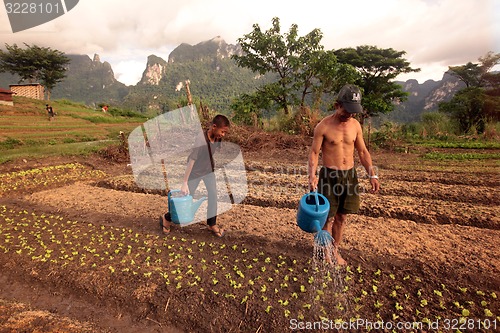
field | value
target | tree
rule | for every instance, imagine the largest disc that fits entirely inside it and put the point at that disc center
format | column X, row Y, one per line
column 35, row 63
column 478, row 74
column 466, row 108
column 301, row 65
column 377, row 68
column 468, row 74
column 248, row 109
column 478, row 103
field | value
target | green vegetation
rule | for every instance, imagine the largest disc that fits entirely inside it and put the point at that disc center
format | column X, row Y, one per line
column 53, row 149
column 35, row 63
column 436, row 130
column 46, row 176
column 479, row 102
column 271, row 286
column 378, row 68
column 460, row 156
column 25, row 130
column 300, row 64
column 458, row 144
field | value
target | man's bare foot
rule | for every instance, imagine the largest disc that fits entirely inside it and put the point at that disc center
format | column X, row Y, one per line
column 338, row 258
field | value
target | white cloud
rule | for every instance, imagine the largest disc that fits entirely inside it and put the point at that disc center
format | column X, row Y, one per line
column 434, row 33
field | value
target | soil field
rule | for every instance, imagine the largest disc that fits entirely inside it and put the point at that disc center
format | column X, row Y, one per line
column 81, row 251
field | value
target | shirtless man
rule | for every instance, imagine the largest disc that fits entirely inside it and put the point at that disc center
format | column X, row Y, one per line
column 336, row 136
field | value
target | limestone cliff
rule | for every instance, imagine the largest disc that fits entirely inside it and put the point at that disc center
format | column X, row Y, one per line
column 444, row 92
column 215, row 48
column 155, row 70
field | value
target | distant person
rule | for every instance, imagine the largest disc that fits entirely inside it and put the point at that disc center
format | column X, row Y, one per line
column 336, row 136
column 200, row 166
column 50, row 112
column 105, row 109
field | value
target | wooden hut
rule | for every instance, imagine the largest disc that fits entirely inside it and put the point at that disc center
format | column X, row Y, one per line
column 30, row 90
column 6, row 97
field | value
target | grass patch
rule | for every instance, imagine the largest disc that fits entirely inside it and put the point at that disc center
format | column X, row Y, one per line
column 460, row 156
column 464, row 145
column 102, row 119
column 25, row 131
column 10, row 143
column 62, row 149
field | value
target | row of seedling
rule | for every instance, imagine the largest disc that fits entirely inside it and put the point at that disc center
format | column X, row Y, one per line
column 46, row 176
column 278, row 285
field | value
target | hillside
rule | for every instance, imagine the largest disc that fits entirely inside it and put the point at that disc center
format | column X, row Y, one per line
column 214, row 78
column 25, row 129
column 424, row 97
column 87, row 81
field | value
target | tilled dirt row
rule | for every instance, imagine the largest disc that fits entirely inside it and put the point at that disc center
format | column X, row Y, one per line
column 399, row 207
column 437, row 246
column 462, row 176
column 19, row 317
column 476, row 194
column 297, row 183
column 423, row 203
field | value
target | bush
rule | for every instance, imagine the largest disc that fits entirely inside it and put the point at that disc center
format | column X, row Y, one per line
column 492, row 131
column 437, row 126
column 116, row 112
column 301, row 122
column 387, row 136
column 71, row 103
column 10, row 143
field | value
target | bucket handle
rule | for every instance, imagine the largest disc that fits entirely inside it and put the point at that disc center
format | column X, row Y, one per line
column 172, row 191
column 316, row 199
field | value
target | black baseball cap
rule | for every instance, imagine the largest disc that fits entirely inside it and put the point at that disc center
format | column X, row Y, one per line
column 350, row 97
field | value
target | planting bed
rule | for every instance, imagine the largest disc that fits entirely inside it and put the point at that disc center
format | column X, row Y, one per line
column 80, row 245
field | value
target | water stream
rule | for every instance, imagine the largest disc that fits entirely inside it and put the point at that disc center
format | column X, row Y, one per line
column 329, row 292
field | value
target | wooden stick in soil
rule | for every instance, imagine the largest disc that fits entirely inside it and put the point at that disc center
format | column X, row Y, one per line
column 164, row 170
column 166, row 305
column 154, row 321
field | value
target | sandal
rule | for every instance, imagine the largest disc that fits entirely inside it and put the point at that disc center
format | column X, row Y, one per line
column 219, row 232
column 165, row 228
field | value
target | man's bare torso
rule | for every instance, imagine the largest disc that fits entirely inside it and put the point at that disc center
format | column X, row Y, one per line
column 338, row 142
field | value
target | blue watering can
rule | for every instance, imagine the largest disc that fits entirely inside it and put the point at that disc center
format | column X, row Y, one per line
column 313, row 212
column 312, row 215
column 182, row 209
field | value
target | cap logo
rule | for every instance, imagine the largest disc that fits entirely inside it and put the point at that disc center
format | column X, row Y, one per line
column 356, row 97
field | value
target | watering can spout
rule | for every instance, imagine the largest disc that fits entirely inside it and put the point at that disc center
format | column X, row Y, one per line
column 316, row 224
column 197, row 205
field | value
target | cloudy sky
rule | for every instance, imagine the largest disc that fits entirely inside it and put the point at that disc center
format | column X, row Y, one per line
column 434, row 33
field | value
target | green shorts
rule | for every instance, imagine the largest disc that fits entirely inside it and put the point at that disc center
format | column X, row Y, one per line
column 341, row 187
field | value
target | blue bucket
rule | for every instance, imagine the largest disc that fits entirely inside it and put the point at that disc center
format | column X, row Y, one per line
column 313, row 212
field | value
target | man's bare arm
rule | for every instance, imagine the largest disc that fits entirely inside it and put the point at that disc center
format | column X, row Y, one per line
column 314, row 156
column 366, row 160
